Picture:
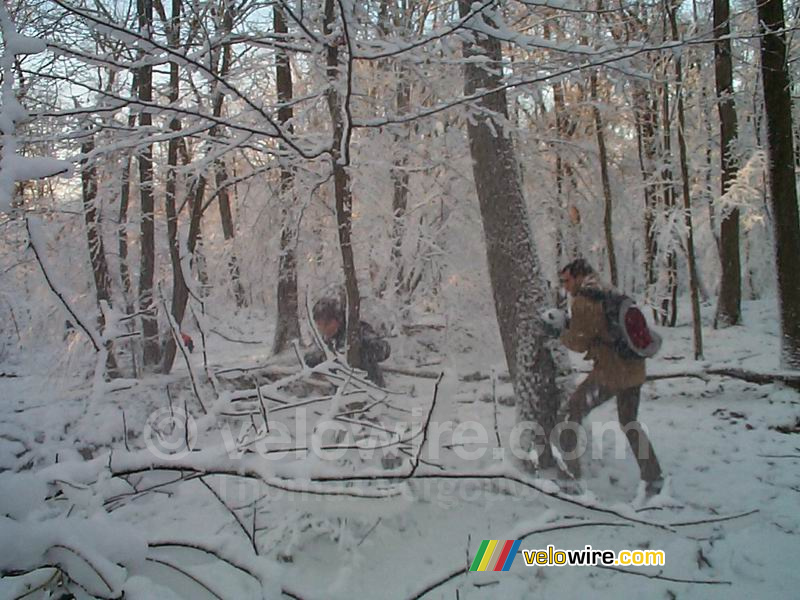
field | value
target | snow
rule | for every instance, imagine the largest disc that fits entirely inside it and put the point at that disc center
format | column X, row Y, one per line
column 714, row 437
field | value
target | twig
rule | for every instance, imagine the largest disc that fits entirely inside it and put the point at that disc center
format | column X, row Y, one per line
column 88, row 562
column 463, row 569
column 185, row 574
column 41, row 586
column 125, row 432
column 715, row 519
column 179, row 342
column 234, row 340
column 415, row 461
column 371, row 529
column 664, row 577
column 494, row 401
column 233, row 513
column 58, row 294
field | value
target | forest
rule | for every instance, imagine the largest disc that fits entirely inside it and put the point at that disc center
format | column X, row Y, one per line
column 183, row 181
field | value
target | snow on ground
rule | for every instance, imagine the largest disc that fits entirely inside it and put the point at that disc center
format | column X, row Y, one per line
column 715, row 438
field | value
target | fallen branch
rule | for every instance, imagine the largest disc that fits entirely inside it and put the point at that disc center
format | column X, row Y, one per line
column 790, row 379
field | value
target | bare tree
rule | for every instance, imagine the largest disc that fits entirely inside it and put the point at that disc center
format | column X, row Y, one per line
column 518, row 287
column 782, row 184
column 697, row 326
column 729, row 309
column 608, row 224
column 152, row 348
column 339, row 107
column 287, row 326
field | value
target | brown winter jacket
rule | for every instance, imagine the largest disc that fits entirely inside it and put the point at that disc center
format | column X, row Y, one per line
column 588, row 332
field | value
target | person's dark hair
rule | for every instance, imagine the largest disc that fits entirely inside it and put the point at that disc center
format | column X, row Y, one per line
column 578, row 268
column 326, row 309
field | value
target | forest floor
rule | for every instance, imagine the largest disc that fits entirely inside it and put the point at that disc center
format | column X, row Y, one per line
column 719, row 439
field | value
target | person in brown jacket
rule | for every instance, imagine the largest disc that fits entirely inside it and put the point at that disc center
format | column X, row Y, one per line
column 611, row 375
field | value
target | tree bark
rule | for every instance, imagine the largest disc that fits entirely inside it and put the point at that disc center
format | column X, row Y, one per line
column 782, row 184
column 178, row 307
column 340, row 159
column 518, row 287
column 697, row 326
column 608, row 207
column 669, row 308
column 152, row 349
column 287, row 326
column 729, row 306
column 97, row 252
column 221, row 169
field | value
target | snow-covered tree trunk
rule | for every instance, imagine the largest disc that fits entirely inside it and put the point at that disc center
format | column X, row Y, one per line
column 669, row 297
column 782, row 184
column 287, row 326
column 147, row 242
column 220, row 167
column 729, row 307
column 687, row 201
column 518, row 287
column 340, row 159
column 608, row 211
column 94, row 242
column 178, row 307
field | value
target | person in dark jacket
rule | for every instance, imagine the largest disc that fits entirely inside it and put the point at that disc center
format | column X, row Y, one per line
column 331, row 322
column 611, row 375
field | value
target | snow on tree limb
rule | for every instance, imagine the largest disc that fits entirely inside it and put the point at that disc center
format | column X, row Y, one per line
column 14, row 167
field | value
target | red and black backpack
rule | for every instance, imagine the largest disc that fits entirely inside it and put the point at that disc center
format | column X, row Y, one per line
column 631, row 337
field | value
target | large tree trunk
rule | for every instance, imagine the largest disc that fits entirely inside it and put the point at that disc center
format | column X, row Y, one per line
column 340, row 159
column 783, row 190
column 152, row 348
column 687, row 201
column 729, row 307
column 518, row 288
column 287, row 326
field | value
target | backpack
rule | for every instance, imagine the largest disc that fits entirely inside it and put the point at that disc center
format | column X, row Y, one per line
column 631, row 338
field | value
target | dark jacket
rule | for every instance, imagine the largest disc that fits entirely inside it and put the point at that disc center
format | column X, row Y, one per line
column 588, row 332
column 374, row 349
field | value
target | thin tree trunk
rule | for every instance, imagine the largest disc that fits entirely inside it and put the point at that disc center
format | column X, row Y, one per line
column 608, row 207
column 669, row 309
column 152, row 349
column 178, row 282
column 518, row 287
column 729, row 307
column 221, row 169
column 97, row 252
column 646, row 121
column 697, row 326
column 287, row 326
column 340, row 158
column 783, row 186
column 400, row 187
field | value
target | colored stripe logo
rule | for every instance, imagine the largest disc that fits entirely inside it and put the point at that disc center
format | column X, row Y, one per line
column 495, row 555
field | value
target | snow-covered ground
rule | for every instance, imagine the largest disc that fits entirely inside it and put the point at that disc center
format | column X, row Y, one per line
column 60, row 439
